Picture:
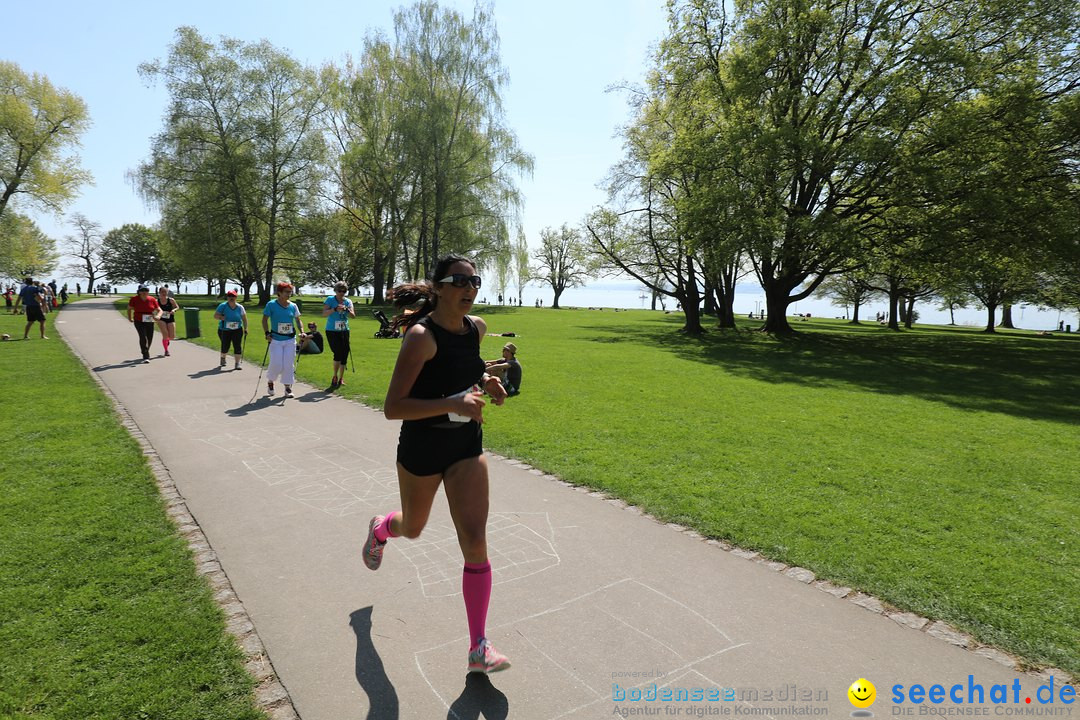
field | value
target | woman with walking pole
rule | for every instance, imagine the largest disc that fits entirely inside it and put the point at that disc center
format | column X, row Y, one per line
column 232, row 328
column 436, row 391
column 280, row 323
column 337, row 310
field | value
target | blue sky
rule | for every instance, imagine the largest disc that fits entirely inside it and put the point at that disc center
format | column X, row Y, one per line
column 561, row 57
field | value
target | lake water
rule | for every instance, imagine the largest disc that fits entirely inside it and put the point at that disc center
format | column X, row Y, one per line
column 748, row 298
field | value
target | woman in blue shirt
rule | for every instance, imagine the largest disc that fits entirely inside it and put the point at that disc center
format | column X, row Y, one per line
column 232, row 327
column 337, row 310
column 280, row 323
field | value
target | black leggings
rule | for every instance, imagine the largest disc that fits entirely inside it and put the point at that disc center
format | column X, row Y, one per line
column 146, row 336
column 235, row 337
column 339, row 343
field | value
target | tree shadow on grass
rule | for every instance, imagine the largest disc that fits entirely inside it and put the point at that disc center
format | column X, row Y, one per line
column 1021, row 375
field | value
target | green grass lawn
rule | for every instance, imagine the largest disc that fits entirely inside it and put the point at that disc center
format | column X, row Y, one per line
column 938, row 469
column 102, row 614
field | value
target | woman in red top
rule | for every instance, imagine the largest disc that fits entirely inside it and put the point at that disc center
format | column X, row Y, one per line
column 146, row 311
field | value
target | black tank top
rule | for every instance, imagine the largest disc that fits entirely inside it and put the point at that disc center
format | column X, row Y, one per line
column 456, row 366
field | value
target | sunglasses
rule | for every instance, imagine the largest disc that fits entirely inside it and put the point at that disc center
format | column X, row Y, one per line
column 460, row 280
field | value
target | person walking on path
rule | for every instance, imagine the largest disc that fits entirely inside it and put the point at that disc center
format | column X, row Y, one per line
column 32, row 297
column 167, row 318
column 63, row 295
column 337, row 310
column 434, row 391
column 232, row 328
column 280, row 323
column 146, row 311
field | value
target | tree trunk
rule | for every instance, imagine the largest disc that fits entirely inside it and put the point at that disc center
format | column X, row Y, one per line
column 855, row 314
column 777, row 299
column 1006, row 317
column 909, row 313
column 555, row 305
column 991, row 310
column 894, row 306
column 691, row 301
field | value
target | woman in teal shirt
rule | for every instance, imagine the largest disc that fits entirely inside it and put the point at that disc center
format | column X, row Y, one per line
column 337, row 310
column 232, row 327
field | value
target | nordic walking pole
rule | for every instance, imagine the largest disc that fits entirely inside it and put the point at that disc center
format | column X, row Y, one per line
column 262, row 366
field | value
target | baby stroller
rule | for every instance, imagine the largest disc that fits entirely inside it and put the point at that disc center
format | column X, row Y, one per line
column 385, row 329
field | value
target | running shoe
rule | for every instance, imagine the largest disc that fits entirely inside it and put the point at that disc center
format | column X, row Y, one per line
column 270, row 388
column 146, row 361
column 373, row 547
column 288, row 391
column 221, row 362
column 237, row 367
column 486, row 659
column 166, row 353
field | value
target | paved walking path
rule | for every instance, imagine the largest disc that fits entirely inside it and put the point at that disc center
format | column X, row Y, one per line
column 587, row 594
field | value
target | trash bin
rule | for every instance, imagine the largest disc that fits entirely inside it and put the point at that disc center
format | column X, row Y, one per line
column 191, row 319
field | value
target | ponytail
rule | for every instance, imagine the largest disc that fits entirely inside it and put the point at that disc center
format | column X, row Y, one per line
column 408, row 294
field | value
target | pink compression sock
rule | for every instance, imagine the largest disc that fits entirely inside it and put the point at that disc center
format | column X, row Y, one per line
column 476, row 587
column 382, row 530
column 165, row 343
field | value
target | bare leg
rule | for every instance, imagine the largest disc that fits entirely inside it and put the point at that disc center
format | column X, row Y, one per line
column 417, row 495
column 466, row 486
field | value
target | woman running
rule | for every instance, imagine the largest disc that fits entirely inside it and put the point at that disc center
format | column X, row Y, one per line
column 434, row 390
column 337, row 310
column 284, row 317
column 166, row 321
column 232, row 328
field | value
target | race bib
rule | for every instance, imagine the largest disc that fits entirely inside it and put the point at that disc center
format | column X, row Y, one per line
column 233, row 325
column 166, row 315
column 284, row 328
column 148, row 318
column 339, row 325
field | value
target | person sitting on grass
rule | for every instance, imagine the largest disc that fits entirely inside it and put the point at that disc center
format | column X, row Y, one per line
column 507, row 369
column 311, row 342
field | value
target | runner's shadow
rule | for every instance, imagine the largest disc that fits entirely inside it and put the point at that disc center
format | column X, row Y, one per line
column 314, row 396
column 205, row 373
column 479, row 699
column 382, row 698
column 117, row 366
column 261, row 403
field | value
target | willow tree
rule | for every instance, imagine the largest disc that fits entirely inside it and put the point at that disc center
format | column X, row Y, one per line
column 464, row 156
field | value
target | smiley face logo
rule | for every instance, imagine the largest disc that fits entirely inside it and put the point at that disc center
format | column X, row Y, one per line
column 862, row 693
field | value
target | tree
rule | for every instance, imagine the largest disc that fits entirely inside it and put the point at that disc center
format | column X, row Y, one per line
column 848, row 290
column 25, row 251
column 562, row 260
column 130, row 254
column 520, row 253
column 337, row 252
column 463, row 155
column 241, row 148
column 39, row 126
column 85, row 246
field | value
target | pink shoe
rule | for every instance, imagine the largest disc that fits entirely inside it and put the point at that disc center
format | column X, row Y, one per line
column 486, row 659
column 373, row 547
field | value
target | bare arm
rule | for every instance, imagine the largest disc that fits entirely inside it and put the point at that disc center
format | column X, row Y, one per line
column 416, row 349
column 494, row 389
